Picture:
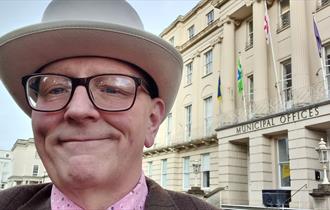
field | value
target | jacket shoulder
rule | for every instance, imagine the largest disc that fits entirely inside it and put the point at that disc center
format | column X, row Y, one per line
column 187, row 201
column 161, row 199
column 19, row 196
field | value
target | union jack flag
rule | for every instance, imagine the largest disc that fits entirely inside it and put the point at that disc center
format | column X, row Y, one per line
column 266, row 25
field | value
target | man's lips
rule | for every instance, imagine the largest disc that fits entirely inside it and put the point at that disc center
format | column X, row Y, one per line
column 84, row 139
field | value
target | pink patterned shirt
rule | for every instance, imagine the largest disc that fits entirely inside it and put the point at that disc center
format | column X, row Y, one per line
column 134, row 200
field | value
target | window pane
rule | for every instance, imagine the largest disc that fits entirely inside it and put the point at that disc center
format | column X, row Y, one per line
column 210, row 17
column 35, row 170
column 150, row 169
column 189, row 69
column 208, row 62
column 283, row 162
column 208, row 108
column 186, row 178
column 188, row 123
column 191, row 31
column 283, row 150
column 206, row 170
column 164, row 173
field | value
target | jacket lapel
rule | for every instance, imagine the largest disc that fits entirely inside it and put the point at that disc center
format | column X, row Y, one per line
column 158, row 198
column 40, row 201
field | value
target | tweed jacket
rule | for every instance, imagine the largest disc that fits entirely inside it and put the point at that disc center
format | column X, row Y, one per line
column 37, row 197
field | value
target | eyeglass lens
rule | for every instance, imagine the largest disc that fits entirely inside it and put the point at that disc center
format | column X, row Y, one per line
column 107, row 92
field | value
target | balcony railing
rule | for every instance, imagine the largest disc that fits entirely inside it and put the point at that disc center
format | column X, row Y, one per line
column 254, row 109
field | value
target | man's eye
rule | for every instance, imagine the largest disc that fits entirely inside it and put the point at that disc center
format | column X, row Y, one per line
column 109, row 90
column 56, row 91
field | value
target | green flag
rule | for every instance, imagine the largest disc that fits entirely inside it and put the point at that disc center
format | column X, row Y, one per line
column 239, row 77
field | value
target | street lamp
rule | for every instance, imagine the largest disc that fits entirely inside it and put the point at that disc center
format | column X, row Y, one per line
column 196, row 168
column 323, row 155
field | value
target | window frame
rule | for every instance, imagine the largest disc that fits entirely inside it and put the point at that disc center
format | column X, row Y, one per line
column 189, row 72
column 205, row 170
column 284, row 14
column 171, row 40
column 208, row 62
column 286, row 83
column 191, row 31
column 169, row 128
column 35, row 170
column 249, row 33
column 210, row 17
column 186, row 173
column 164, row 173
column 149, row 165
column 280, row 163
column 188, row 122
column 208, row 113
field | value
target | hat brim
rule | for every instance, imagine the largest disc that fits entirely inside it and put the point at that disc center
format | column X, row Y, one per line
column 24, row 51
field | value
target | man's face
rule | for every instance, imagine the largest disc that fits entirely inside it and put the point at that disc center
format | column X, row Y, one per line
column 83, row 147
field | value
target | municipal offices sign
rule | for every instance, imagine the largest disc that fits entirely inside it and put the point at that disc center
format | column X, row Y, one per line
column 278, row 120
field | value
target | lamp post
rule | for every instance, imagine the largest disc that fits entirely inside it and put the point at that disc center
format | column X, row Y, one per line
column 196, row 168
column 323, row 154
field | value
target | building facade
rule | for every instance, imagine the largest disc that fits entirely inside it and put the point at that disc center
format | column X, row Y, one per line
column 5, row 168
column 259, row 135
column 27, row 167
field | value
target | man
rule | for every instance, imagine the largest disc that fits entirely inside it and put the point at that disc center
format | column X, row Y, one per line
column 97, row 87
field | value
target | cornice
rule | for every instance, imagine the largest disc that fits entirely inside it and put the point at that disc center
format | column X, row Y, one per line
column 194, row 144
column 202, row 34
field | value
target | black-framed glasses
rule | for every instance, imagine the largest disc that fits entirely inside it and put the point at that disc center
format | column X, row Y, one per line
column 108, row 92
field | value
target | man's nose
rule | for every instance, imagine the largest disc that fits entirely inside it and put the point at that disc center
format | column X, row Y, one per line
column 80, row 106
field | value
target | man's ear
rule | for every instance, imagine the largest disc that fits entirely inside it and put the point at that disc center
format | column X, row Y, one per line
column 156, row 116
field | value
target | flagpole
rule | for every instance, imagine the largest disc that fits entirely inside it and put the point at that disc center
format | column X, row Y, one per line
column 243, row 94
column 273, row 58
column 321, row 59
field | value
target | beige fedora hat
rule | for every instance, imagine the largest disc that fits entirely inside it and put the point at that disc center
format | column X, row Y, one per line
column 71, row 28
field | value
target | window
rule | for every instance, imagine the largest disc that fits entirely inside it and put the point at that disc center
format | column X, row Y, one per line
column 205, row 170
column 149, row 169
column 210, row 17
column 327, row 66
column 172, row 40
column 191, row 31
column 324, row 2
column 283, row 163
column 186, row 177
column 35, row 170
column 169, row 129
column 251, row 95
column 287, row 83
column 208, row 108
column 164, row 173
column 208, row 62
column 188, row 123
column 284, row 13
column 189, row 69
column 249, row 32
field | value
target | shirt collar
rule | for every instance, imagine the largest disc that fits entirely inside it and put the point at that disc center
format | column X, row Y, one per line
column 135, row 199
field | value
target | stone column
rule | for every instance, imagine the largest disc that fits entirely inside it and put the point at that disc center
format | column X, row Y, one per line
column 260, row 60
column 303, row 163
column 300, row 58
column 228, row 72
column 260, row 168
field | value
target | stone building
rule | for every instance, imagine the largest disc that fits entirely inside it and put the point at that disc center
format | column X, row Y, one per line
column 27, row 167
column 263, row 136
column 5, row 168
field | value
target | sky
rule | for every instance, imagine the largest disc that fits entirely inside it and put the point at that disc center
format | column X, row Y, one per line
column 156, row 15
